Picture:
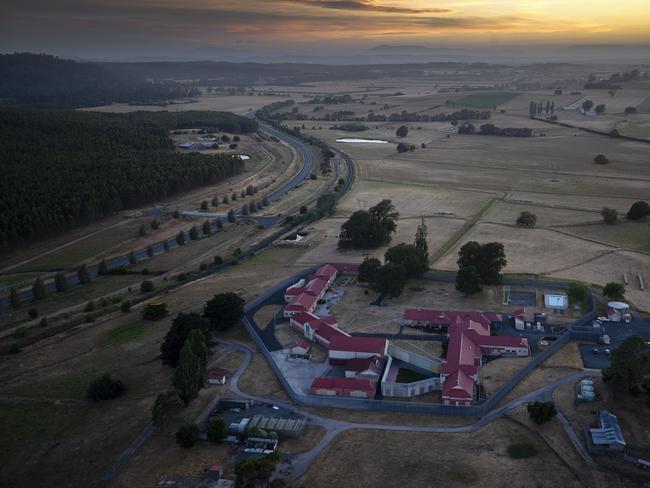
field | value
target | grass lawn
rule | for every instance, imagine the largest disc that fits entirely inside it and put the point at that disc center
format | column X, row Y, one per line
column 408, row 376
column 486, row 100
column 635, row 131
column 521, row 451
column 126, row 333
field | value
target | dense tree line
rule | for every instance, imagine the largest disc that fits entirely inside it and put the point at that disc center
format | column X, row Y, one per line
column 65, row 168
column 493, row 130
column 44, row 80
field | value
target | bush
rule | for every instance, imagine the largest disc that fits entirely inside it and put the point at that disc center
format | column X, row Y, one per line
column 217, row 429
column 526, row 219
column 43, row 322
column 33, row 313
column 521, row 451
column 104, row 388
column 147, row 286
column 601, row 159
column 218, row 260
column 541, row 412
column 125, row 307
column 610, row 215
column 154, row 311
column 615, row 291
column 187, row 435
column 638, row 210
column 90, row 306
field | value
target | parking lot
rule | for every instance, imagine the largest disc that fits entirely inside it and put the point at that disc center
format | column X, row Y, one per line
column 617, row 332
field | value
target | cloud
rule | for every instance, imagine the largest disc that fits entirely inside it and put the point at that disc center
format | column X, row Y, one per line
column 371, row 6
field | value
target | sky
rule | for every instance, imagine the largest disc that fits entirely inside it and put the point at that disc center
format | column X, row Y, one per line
column 157, row 28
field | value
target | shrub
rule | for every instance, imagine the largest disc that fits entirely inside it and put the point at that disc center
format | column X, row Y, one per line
column 218, row 260
column 541, row 412
column 615, row 291
column 105, row 388
column 610, row 215
column 33, row 313
column 43, row 322
column 638, row 210
column 188, row 434
column 526, row 219
column 90, row 306
column 601, row 159
column 154, row 311
column 147, row 286
column 125, row 307
column 217, row 429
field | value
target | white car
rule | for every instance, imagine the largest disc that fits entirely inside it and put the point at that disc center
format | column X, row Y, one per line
column 603, row 319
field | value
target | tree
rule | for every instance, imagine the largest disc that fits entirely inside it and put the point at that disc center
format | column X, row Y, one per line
column 326, row 204
column 166, row 405
column 389, row 279
column 526, row 219
column 175, row 339
column 252, row 207
column 206, row 228
column 14, row 299
column 368, row 269
column 402, row 148
column 190, row 374
column 154, row 224
column 600, row 109
column 83, row 274
column 147, row 286
column 224, row 310
column 187, row 435
column 541, row 412
column 421, row 243
column 125, row 306
column 154, row 311
column 142, row 231
column 402, row 131
column 244, row 210
column 150, row 251
column 217, row 429
column 369, row 229
column 219, row 223
column 468, row 280
column 105, row 388
column 614, row 290
column 60, row 282
column 102, row 268
column 489, row 259
column 587, row 105
column 38, row 289
column 215, row 202
column 577, row 293
column 610, row 215
column 132, row 258
column 253, row 473
column 629, row 366
column 638, row 210
column 204, row 205
column 165, row 245
column 218, row 260
column 601, row 159
column 194, row 233
column 409, row 257
column 180, row 238
column 231, row 216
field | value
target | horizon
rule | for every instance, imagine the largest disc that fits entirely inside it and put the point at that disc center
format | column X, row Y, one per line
column 160, row 29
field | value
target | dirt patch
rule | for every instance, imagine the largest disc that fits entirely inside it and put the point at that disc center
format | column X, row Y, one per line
column 310, row 437
column 259, row 379
column 266, row 314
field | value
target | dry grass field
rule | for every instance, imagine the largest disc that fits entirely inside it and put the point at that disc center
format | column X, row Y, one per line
column 479, row 459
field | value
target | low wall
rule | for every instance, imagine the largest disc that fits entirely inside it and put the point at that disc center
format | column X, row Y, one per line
column 414, row 358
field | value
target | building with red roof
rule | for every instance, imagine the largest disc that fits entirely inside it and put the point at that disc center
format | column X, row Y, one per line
column 343, row 348
column 300, row 304
column 364, row 368
column 442, row 319
column 344, row 387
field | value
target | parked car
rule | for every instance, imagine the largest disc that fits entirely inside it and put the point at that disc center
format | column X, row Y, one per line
column 603, row 319
column 594, row 350
column 608, row 352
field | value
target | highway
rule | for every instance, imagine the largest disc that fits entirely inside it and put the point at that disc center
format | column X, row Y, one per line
column 305, row 171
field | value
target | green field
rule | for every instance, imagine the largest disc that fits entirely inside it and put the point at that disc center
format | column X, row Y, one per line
column 486, row 100
column 126, row 333
column 644, row 107
column 635, row 131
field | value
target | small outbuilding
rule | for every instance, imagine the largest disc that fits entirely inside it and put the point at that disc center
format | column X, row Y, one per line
column 217, row 377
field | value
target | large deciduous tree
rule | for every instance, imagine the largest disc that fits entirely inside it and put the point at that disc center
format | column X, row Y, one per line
column 224, row 310
column 488, row 259
column 390, row 279
column 630, row 365
column 182, row 325
column 371, row 228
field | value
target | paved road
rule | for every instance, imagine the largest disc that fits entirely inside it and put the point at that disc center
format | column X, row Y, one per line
column 305, row 171
column 301, row 463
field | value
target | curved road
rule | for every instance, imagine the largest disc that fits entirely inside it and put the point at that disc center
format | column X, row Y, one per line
column 301, row 463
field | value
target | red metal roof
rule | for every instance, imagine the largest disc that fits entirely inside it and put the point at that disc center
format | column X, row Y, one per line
column 458, row 386
column 301, row 302
column 448, row 317
column 304, row 317
column 326, row 270
column 363, row 364
column 328, row 332
column 302, row 343
column 359, row 344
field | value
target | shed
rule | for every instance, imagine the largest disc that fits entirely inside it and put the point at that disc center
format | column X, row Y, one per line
column 217, row 377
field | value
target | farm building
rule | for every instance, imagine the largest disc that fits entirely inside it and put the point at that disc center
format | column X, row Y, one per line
column 344, row 387
column 608, row 436
column 283, row 426
column 344, row 348
column 216, row 377
column 301, row 348
column 442, row 319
